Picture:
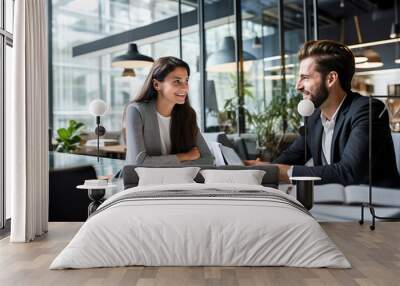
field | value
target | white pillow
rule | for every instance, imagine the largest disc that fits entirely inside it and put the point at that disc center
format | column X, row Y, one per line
column 164, row 176
column 248, row 177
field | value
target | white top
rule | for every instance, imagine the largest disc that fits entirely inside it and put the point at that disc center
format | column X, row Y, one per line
column 90, row 187
column 327, row 135
column 164, row 124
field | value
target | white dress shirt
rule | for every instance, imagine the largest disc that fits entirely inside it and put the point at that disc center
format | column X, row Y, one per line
column 327, row 136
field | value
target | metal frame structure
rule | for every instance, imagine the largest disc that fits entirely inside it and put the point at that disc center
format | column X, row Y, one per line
column 310, row 20
column 370, row 204
column 180, row 27
column 240, row 116
column 50, row 69
column 202, row 61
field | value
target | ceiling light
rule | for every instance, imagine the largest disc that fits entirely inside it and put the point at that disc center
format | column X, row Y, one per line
column 128, row 72
column 369, row 65
column 375, row 72
column 395, row 31
column 376, row 43
column 374, row 60
column 224, row 60
column 359, row 57
column 132, row 59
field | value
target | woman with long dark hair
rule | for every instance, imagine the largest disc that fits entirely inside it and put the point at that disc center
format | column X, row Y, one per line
column 161, row 127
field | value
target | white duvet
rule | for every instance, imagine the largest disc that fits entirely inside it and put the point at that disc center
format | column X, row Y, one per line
column 200, row 231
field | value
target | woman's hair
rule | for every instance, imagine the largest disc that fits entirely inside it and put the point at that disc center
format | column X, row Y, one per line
column 183, row 130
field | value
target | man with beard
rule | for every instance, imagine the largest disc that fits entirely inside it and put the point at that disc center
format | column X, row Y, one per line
column 338, row 130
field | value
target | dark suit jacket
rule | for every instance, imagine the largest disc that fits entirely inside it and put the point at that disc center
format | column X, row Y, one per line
column 349, row 153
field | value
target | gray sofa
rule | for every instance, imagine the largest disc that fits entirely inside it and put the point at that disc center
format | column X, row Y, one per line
column 331, row 202
column 337, row 203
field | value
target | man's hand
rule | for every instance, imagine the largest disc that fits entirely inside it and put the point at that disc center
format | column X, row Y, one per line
column 254, row 162
column 283, row 169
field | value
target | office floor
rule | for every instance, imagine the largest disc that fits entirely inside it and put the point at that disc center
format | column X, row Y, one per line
column 374, row 255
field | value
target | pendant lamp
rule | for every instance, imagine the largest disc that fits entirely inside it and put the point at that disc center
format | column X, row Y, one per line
column 224, row 60
column 373, row 58
column 132, row 59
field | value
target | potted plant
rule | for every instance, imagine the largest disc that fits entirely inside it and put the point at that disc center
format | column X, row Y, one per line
column 272, row 125
column 68, row 138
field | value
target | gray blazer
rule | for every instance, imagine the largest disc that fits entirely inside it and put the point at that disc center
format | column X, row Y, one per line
column 144, row 142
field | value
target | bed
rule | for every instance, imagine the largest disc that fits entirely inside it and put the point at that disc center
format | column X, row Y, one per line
column 200, row 224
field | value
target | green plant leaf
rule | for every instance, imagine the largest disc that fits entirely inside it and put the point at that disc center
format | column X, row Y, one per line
column 62, row 133
column 79, row 125
column 68, row 139
column 75, row 139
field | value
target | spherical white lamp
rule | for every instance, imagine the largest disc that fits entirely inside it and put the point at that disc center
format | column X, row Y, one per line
column 97, row 108
column 305, row 107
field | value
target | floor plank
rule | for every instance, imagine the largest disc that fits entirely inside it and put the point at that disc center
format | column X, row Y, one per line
column 374, row 255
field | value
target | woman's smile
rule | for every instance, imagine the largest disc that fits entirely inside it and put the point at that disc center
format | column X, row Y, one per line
column 181, row 95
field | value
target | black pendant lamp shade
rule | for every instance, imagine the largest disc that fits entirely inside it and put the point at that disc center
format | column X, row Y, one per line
column 132, row 59
column 224, row 60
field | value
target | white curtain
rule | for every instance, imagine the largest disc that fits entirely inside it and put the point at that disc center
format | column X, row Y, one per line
column 27, row 123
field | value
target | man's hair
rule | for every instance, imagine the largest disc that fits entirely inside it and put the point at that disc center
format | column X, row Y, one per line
column 331, row 56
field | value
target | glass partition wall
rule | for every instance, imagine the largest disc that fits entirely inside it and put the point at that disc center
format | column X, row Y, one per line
column 242, row 55
column 79, row 77
column 78, row 80
column 254, row 98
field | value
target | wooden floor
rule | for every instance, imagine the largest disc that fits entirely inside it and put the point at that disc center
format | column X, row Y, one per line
column 374, row 255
